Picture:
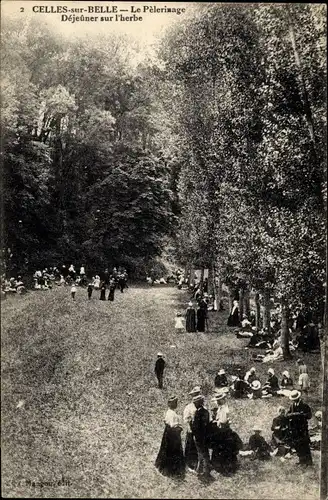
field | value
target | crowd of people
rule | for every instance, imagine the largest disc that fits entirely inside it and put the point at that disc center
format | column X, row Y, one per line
column 211, row 444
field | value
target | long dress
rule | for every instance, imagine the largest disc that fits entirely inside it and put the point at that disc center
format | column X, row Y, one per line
column 170, row 460
column 103, row 292
column 233, row 319
column 191, row 320
column 111, row 293
column 191, row 455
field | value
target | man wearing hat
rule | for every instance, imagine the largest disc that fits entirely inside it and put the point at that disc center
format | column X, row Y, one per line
column 188, row 416
column 159, row 369
column 223, row 410
column 200, row 426
column 298, row 416
column 258, row 444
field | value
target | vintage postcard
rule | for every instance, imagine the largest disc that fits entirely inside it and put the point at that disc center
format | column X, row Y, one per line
column 163, row 250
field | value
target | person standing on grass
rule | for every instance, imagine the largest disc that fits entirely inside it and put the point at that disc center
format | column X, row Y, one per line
column 200, row 427
column 190, row 447
column 159, row 369
column 179, row 326
column 90, row 290
column 73, row 291
column 102, row 291
column 302, row 368
column 304, row 382
column 190, row 318
column 298, row 416
column 112, row 286
column 170, row 460
column 201, row 316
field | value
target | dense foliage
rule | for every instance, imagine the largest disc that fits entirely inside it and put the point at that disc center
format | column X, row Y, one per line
column 218, row 143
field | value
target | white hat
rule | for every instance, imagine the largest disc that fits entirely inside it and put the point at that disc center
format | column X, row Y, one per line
column 221, row 372
column 294, row 395
column 198, row 398
column 160, row 354
column 218, row 397
column 252, row 370
column 318, row 414
column 271, row 370
column 213, row 404
column 285, row 373
column 190, row 304
column 257, row 428
column 195, row 390
column 256, row 384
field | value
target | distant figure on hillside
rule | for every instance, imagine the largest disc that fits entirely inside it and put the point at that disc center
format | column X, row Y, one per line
column 71, row 272
column 304, row 382
column 73, row 291
column 112, row 286
column 258, row 445
column 102, row 291
column 233, row 319
column 190, row 318
column 90, row 290
column 159, row 369
column 302, row 368
column 179, row 326
column 201, row 316
column 121, row 282
column 170, row 460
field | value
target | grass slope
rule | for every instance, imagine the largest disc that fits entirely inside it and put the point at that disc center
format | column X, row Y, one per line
column 92, row 412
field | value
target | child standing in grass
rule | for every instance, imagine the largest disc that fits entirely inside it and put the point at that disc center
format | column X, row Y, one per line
column 73, row 291
column 179, row 326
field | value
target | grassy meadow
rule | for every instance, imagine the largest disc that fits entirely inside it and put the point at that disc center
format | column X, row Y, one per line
column 80, row 403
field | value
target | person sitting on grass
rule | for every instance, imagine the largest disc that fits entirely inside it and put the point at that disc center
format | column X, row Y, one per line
column 315, row 431
column 250, row 375
column 240, row 388
column 261, row 449
column 256, row 390
column 271, row 386
column 221, row 379
column 286, row 381
column 280, row 431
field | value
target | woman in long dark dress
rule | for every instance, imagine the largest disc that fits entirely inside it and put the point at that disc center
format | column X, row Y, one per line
column 233, row 319
column 201, row 316
column 112, row 287
column 170, row 460
column 190, row 318
column 103, row 291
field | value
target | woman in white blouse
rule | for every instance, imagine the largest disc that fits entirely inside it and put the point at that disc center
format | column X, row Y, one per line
column 170, row 459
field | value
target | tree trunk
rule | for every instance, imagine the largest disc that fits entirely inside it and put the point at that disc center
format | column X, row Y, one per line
column 241, row 303
column 285, row 329
column 210, row 280
column 231, row 296
column 191, row 280
column 247, row 306
column 324, row 430
column 257, row 311
column 217, row 291
column 201, row 281
column 267, row 310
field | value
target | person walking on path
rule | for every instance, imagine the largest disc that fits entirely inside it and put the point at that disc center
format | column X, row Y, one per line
column 200, row 426
column 188, row 416
column 298, row 416
column 190, row 318
column 159, row 369
column 170, row 460
column 73, row 291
